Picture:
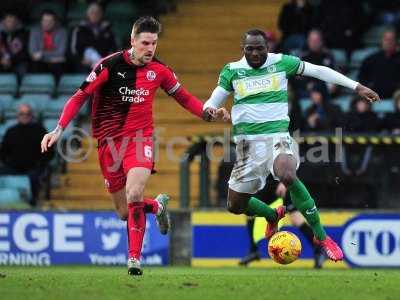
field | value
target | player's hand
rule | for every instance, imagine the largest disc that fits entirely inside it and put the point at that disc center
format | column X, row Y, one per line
column 222, row 114
column 281, row 190
column 50, row 138
column 367, row 93
column 214, row 114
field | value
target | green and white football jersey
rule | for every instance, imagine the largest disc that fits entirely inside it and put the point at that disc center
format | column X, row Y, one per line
column 260, row 95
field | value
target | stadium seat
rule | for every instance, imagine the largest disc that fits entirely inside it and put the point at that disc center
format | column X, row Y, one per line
column 3, row 129
column 55, row 106
column 6, row 101
column 55, row 6
column 9, row 196
column 122, row 30
column 50, row 124
column 8, row 84
column 374, row 35
column 353, row 74
column 359, row 55
column 340, row 57
column 38, row 102
column 121, row 10
column 76, row 12
column 343, row 102
column 10, row 122
column 19, row 182
column 69, row 83
column 383, row 106
column 305, row 103
column 37, row 84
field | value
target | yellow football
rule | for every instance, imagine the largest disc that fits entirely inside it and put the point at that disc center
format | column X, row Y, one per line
column 284, row 247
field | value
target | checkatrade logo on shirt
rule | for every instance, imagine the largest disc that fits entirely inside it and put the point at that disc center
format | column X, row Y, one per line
column 133, row 95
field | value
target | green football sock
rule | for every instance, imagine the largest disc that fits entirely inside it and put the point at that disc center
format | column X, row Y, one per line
column 305, row 204
column 256, row 207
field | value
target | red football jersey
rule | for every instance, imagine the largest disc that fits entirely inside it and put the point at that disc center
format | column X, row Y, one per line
column 123, row 94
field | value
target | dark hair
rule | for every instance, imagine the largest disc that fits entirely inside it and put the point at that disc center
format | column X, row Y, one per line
column 255, row 32
column 49, row 12
column 146, row 24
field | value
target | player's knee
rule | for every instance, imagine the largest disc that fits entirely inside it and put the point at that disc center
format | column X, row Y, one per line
column 134, row 194
column 288, row 177
column 235, row 207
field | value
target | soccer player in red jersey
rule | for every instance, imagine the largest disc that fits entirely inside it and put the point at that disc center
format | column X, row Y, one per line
column 122, row 87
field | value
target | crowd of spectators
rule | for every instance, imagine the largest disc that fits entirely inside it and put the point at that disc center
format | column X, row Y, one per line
column 314, row 31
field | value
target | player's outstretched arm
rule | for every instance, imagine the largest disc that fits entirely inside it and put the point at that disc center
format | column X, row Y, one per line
column 195, row 106
column 71, row 108
column 331, row 76
column 212, row 109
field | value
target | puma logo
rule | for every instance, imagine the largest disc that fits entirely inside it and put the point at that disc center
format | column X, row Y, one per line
column 311, row 210
column 121, row 74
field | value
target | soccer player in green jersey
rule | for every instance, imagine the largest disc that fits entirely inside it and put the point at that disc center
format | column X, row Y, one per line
column 260, row 129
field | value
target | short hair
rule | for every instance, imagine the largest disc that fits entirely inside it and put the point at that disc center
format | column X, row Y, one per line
column 146, row 24
column 49, row 12
column 255, row 32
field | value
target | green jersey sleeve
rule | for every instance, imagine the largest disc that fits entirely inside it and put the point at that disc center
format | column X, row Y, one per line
column 225, row 78
column 291, row 64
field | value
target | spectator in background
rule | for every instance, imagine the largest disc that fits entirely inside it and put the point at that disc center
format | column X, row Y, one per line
column 315, row 53
column 92, row 39
column 47, row 45
column 20, row 150
column 361, row 118
column 295, row 20
column 381, row 71
column 295, row 113
column 343, row 22
column 321, row 116
column 391, row 120
column 14, row 55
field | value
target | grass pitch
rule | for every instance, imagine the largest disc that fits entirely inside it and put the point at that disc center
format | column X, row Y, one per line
column 75, row 282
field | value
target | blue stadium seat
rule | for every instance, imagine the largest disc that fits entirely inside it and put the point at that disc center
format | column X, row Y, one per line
column 3, row 129
column 9, row 196
column 55, row 106
column 383, row 106
column 304, row 103
column 6, row 101
column 37, row 84
column 343, row 102
column 19, row 182
column 358, row 56
column 38, row 102
column 374, row 35
column 8, row 83
column 50, row 124
column 353, row 74
column 69, row 83
column 340, row 57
